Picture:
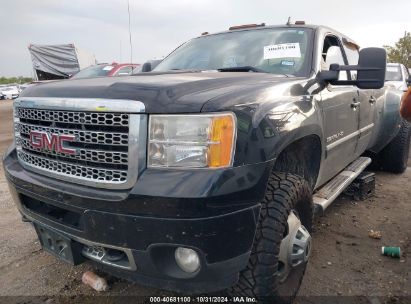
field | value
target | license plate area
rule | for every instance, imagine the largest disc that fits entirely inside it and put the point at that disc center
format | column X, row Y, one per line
column 59, row 245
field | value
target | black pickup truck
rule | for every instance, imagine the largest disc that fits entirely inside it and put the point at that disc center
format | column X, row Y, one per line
column 204, row 173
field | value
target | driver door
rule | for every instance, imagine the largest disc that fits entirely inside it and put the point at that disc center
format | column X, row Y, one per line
column 340, row 106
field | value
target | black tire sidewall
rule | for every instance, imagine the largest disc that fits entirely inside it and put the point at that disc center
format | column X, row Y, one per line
column 285, row 192
column 394, row 157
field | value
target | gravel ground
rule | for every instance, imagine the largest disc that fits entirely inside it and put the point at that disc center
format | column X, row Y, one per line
column 345, row 261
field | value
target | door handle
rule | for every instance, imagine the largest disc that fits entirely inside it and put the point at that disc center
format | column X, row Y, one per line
column 355, row 105
column 372, row 100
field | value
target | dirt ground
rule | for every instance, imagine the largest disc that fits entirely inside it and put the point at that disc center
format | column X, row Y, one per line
column 345, row 261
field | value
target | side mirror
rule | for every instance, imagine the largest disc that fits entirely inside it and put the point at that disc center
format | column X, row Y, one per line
column 409, row 81
column 146, row 67
column 150, row 65
column 370, row 70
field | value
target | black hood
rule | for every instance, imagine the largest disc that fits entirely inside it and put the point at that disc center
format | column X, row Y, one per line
column 161, row 93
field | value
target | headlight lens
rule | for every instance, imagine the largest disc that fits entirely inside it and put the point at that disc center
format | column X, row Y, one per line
column 192, row 141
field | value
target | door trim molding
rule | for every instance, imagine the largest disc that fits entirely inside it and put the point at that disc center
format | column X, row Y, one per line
column 342, row 140
column 366, row 128
column 349, row 137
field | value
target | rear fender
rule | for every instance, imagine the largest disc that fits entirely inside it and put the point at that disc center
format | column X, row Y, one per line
column 388, row 119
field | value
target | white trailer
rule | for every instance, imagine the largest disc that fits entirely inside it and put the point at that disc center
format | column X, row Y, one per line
column 58, row 61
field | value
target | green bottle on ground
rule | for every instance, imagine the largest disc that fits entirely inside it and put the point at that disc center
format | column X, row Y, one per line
column 394, row 252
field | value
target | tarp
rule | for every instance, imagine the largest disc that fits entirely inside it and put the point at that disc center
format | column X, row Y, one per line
column 59, row 60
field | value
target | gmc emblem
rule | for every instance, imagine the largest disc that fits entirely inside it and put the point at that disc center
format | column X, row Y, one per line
column 51, row 142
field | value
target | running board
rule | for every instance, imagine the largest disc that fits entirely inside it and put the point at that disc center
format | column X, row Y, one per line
column 330, row 191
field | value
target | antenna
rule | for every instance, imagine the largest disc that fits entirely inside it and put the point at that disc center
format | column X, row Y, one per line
column 129, row 32
column 288, row 21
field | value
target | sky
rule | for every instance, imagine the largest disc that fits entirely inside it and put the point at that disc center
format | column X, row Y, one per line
column 159, row 26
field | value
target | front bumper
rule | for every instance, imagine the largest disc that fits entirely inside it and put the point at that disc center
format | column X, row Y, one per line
column 217, row 220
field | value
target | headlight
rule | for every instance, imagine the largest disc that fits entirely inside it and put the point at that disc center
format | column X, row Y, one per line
column 191, row 141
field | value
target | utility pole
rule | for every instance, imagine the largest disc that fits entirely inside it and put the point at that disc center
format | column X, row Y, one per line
column 129, row 32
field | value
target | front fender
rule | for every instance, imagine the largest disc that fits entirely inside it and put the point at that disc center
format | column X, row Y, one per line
column 266, row 129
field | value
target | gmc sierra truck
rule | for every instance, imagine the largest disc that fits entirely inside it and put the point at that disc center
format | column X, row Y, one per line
column 204, row 174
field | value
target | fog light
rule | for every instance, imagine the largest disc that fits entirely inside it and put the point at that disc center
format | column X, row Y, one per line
column 187, row 259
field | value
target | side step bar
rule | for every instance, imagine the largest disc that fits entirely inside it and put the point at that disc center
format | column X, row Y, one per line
column 330, row 191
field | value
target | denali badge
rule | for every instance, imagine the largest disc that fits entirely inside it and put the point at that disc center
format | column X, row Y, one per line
column 51, row 142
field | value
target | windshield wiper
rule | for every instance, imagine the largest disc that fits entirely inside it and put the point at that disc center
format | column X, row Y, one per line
column 247, row 68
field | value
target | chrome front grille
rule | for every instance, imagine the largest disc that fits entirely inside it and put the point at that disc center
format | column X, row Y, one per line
column 108, row 137
column 73, row 170
column 98, row 156
column 107, row 119
column 90, row 137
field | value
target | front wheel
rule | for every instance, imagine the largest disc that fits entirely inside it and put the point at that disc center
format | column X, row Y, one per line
column 282, row 243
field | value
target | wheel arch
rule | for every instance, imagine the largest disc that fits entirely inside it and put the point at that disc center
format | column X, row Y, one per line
column 301, row 156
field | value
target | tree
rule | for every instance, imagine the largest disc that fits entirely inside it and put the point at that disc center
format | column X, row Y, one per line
column 11, row 80
column 401, row 52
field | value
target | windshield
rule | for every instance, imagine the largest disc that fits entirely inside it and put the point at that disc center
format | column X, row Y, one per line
column 274, row 50
column 393, row 73
column 94, row 71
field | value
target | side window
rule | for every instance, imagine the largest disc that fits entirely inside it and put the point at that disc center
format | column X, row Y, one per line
column 333, row 53
column 124, row 71
column 352, row 56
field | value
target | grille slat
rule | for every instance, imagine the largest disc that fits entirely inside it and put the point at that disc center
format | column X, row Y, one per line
column 90, row 137
column 111, row 157
column 86, row 118
column 73, row 170
column 101, row 143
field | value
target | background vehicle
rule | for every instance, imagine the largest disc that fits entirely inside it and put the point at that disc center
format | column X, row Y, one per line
column 205, row 174
column 9, row 92
column 24, row 86
column 105, row 69
column 398, row 76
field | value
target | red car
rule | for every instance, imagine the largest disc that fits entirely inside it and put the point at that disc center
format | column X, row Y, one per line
column 106, row 69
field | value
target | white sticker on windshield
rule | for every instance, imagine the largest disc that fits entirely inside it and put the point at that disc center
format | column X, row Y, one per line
column 284, row 50
column 392, row 69
column 108, row 68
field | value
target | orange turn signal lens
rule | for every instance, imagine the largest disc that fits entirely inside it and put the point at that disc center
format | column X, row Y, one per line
column 222, row 138
column 406, row 105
